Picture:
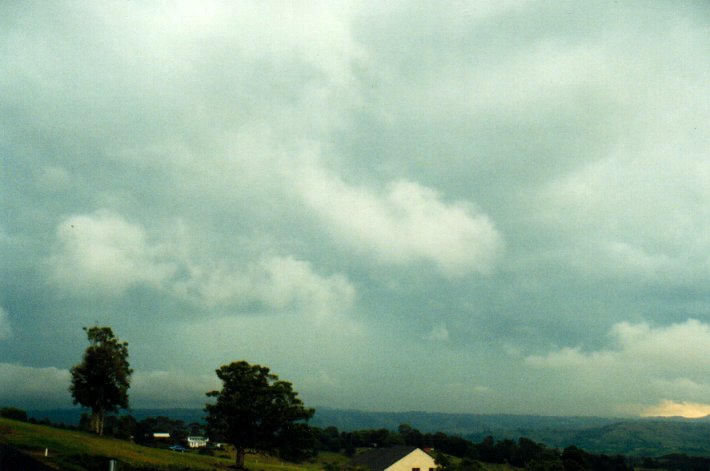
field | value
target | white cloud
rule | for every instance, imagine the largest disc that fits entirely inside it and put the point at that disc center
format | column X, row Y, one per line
column 644, row 364
column 406, row 222
column 102, row 252
column 5, row 327
column 286, row 282
column 439, row 333
column 671, row 350
column 272, row 284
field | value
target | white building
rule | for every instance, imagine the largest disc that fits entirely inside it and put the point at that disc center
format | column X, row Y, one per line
column 197, row 442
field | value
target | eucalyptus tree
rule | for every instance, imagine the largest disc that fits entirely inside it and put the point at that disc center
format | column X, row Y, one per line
column 101, row 381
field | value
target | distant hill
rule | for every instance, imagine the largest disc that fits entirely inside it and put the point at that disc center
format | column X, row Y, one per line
column 348, row 420
column 641, row 437
column 72, row 416
column 454, row 424
column 631, row 437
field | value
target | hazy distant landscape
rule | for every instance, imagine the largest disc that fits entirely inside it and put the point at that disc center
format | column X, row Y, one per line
column 632, row 437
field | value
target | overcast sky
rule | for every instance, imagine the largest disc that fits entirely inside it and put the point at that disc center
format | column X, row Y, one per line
column 477, row 207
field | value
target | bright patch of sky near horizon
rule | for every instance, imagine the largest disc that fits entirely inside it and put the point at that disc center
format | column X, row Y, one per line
column 457, row 207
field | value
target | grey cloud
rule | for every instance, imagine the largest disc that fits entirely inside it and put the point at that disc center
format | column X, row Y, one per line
column 164, row 388
column 34, row 387
column 643, row 364
column 504, row 182
column 5, row 326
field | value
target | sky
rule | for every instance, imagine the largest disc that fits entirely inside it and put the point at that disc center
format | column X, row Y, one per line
column 468, row 207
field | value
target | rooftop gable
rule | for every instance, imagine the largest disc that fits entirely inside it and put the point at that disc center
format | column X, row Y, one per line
column 379, row 459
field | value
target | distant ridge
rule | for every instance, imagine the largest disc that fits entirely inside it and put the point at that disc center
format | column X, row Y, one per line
column 72, row 416
column 350, row 419
column 458, row 424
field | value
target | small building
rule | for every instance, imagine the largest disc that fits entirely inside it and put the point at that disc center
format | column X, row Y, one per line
column 161, row 435
column 197, row 442
column 396, row 458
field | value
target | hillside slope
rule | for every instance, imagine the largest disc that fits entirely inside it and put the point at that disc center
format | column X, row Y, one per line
column 633, row 438
column 79, row 451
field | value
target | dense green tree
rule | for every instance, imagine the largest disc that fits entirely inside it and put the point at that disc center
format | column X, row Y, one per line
column 122, row 427
column 101, row 381
column 575, row 459
column 13, row 413
column 411, row 435
column 255, row 411
column 442, row 460
column 329, row 439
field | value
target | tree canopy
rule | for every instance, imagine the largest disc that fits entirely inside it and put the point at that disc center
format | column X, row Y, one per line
column 101, row 381
column 257, row 412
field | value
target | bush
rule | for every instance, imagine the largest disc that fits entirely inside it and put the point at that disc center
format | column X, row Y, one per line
column 13, row 413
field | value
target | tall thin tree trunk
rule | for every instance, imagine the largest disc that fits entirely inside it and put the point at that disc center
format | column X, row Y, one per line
column 94, row 423
column 240, row 458
column 101, row 424
column 97, row 422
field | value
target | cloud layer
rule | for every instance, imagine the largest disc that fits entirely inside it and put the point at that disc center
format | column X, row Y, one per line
column 641, row 362
column 497, row 207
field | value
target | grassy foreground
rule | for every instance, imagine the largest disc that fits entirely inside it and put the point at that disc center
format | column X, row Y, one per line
column 75, row 450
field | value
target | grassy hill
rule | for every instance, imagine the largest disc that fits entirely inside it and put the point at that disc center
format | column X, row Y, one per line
column 80, row 451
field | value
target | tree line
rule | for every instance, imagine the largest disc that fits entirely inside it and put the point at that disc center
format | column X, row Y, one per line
column 255, row 411
column 454, row 453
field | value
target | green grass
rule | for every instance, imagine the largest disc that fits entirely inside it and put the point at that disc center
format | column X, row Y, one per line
column 67, row 448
